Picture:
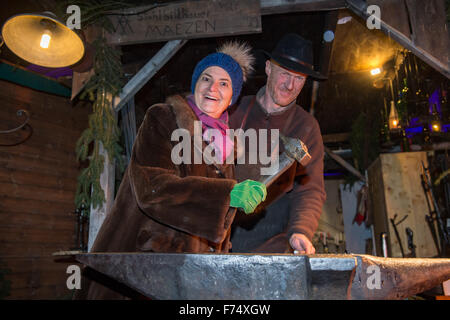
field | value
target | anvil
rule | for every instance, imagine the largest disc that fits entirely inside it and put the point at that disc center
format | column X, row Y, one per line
column 269, row 276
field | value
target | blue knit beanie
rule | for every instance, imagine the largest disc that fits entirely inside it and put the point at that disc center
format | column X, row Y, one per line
column 227, row 63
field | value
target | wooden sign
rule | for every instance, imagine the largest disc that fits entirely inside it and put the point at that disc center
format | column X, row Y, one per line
column 186, row 20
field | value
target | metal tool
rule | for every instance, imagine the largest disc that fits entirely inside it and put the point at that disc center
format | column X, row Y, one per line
column 435, row 214
column 294, row 150
column 384, row 246
column 81, row 228
column 267, row 276
column 430, row 223
column 411, row 245
column 397, row 235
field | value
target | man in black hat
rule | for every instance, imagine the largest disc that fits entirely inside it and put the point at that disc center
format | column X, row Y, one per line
column 289, row 217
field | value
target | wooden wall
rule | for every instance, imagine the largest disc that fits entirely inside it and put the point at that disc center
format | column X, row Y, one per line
column 37, row 188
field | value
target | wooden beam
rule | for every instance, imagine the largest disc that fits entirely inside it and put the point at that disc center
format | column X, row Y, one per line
column 336, row 137
column 129, row 126
column 147, row 72
column 287, row 6
column 344, row 163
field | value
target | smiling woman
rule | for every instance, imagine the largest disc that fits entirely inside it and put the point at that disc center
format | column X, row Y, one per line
column 213, row 91
column 165, row 206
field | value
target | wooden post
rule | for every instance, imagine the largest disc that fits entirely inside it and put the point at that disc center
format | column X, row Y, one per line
column 98, row 215
column 107, row 183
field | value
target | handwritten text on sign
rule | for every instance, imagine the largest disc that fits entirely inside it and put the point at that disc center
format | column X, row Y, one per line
column 186, row 20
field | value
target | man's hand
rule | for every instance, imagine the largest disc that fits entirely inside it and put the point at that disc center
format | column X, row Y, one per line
column 301, row 244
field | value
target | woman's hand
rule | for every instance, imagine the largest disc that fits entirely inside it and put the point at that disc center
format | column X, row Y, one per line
column 248, row 195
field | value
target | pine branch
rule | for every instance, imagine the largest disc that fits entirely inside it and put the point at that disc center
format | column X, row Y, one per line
column 103, row 127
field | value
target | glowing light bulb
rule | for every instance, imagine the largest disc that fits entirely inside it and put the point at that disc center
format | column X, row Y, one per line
column 375, row 71
column 393, row 117
column 436, row 122
column 45, row 39
column 435, row 126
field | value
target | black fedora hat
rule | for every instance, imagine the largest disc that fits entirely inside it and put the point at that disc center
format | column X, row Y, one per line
column 295, row 53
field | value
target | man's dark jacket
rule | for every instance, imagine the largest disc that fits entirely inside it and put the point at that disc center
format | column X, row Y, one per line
column 294, row 203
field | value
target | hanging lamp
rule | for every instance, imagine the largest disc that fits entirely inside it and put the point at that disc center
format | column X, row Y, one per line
column 42, row 40
column 393, row 117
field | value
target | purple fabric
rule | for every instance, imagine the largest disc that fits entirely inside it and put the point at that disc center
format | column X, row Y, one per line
column 224, row 149
column 51, row 72
column 435, row 99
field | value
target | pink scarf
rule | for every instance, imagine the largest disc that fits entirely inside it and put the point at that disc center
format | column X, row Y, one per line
column 222, row 150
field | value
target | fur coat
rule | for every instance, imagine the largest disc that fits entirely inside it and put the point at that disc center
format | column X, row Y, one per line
column 163, row 207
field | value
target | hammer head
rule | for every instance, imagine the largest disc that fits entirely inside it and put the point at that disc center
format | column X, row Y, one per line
column 296, row 149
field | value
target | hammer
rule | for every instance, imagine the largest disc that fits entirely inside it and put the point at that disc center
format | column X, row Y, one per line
column 294, row 150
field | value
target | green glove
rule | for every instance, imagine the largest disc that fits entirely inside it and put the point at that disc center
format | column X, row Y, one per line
column 248, row 195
